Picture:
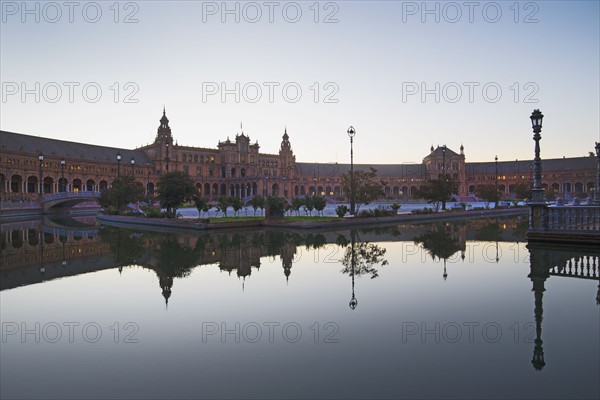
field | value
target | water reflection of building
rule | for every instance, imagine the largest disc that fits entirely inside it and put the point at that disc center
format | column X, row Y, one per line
column 561, row 261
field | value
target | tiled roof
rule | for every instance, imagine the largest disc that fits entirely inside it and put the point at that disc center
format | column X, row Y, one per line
column 323, row 169
column 16, row 142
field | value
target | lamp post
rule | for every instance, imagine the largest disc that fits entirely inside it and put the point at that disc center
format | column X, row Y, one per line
column 538, row 191
column 62, row 173
column 118, row 182
column 496, row 197
column 118, row 165
column 167, row 156
column 352, row 133
column 148, row 182
column 444, row 176
column 597, row 191
column 132, row 162
column 41, row 184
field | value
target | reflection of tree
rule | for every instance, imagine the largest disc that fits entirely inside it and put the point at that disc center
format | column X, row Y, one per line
column 366, row 257
column 126, row 246
column 490, row 232
column 438, row 243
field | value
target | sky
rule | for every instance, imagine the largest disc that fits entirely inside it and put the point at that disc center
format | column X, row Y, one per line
column 406, row 75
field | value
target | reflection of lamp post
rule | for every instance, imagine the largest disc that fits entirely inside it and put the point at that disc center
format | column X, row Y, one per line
column 353, row 300
column 444, row 175
column 597, row 191
column 41, row 184
column 538, row 191
column 497, row 196
column 352, row 133
column 62, row 173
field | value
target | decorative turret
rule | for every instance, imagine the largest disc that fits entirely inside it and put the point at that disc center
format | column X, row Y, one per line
column 462, row 150
column 164, row 131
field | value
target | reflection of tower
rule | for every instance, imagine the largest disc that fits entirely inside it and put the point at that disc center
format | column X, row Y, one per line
column 353, row 301
column 287, row 256
column 166, row 283
column 539, row 274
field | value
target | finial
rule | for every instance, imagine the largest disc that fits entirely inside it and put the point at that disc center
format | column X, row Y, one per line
column 164, row 110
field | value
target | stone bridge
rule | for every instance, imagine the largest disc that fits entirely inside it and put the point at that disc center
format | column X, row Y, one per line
column 67, row 199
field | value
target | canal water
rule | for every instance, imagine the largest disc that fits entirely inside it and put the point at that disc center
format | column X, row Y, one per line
column 443, row 310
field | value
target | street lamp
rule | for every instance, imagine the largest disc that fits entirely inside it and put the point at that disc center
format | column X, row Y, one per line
column 132, row 162
column 62, row 173
column 41, row 184
column 167, row 156
column 148, row 182
column 444, row 175
column 496, row 197
column 597, row 191
column 351, row 133
column 118, row 165
column 537, row 195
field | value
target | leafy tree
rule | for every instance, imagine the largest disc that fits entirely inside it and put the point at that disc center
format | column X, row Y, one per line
column 522, row 190
column 320, row 202
column 200, row 204
column 395, row 207
column 236, row 204
column 297, row 202
column 488, row 193
column 222, row 204
column 436, row 191
column 367, row 188
column 309, row 204
column 341, row 210
column 174, row 188
column 207, row 207
column 124, row 190
column 276, row 206
column 257, row 202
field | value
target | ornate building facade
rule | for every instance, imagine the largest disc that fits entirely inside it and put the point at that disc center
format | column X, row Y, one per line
column 31, row 165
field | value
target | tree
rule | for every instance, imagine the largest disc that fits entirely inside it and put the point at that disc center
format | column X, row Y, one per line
column 436, row 191
column 202, row 205
column 367, row 188
column 277, row 206
column 522, row 191
column 320, row 203
column 123, row 191
column 257, row 202
column 174, row 188
column 297, row 202
column 222, row 204
column 488, row 193
column 308, row 204
column 236, row 204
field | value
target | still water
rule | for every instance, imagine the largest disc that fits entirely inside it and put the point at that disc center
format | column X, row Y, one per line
column 443, row 310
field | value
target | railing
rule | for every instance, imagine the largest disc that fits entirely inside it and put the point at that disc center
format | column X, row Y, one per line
column 585, row 267
column 571, row 218
column 64, row 195
column 19, row 205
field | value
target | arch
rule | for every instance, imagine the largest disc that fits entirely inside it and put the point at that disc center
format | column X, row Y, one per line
column 199, row 188
column 555, row 187
column 311, row 190
column 104, row 185
column 48, row 185
column 387, row 191
column 405, row 190
column 90, row 185
column 578, row 187
column 237, row 190
column 545, row 186
column 207, row 189
column 48, row 238
column 302, row 191
column 511, row 188
column 567, row 187
column 77, row 185
column 396, row 191
column 16, row 238
column 243, row 172
column 328, row 191
column 471, row 188
column 275, row 189
column 215, row 189
column 33, row 237
column 150, row 188
column 296, row 190
column 32, row 184
column 16, row 184
column 254, row 188
column 2, row 183
column 501, row 188
column 590, row 187
column 231, row 190
column 337, row 191
column 320, row 191
column 233, row 172
column 413, row 190
column 223, row 189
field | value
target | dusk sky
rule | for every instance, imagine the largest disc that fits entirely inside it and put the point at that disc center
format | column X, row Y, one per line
column 406, row 75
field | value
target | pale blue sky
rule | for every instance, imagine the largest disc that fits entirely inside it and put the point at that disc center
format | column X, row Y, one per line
column 371, row 57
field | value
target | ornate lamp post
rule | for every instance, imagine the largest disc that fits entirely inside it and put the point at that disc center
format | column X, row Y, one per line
column 352, row 133
column 41, row 183
column 497, row 196
column 597, row 191
column 148, row 182
column 538, row 191
column 132, row 162
column 444, row 175
column 62, row 173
